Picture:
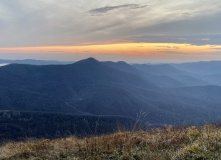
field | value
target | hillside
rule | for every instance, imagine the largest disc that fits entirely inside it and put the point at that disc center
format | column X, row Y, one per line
column 91, row 87
column 87, row 87
column 158, row 144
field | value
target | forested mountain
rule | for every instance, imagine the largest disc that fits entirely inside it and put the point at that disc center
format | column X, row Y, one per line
column 21, row 125
column 163, row 93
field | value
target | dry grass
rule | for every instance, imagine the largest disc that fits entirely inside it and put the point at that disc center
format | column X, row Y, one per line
column 199, row 143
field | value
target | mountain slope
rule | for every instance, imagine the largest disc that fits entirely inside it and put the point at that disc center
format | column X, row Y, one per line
column 85, row 86
column 90, row 87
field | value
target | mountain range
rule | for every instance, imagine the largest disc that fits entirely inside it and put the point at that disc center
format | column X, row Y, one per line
column 153, row 94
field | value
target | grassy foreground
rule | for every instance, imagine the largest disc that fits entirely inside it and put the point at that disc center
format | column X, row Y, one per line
column 199, row 143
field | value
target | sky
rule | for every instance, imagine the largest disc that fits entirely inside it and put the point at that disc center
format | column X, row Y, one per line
column 141, row 31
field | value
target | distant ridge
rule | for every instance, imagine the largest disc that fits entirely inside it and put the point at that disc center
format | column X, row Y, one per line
column 34, row 62
column 201, row 67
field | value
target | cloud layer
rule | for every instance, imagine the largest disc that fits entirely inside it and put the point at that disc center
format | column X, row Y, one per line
column 79, row 22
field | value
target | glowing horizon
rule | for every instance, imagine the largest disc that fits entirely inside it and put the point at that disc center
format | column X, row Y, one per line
column 124, row 49
column 138, row 30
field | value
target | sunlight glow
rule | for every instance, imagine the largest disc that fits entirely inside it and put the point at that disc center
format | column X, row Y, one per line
column 127, row 49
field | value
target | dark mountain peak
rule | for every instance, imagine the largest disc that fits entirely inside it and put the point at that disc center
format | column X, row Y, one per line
column 89, row 63
column 89, row 60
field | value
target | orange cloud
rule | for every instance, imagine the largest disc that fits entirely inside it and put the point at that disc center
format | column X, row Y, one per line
column 127, row 49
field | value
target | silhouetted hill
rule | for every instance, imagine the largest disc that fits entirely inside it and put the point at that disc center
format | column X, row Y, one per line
column 87, row 86
column 91, row 87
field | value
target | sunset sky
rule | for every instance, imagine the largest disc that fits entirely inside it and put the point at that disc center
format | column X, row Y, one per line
column 141, row 31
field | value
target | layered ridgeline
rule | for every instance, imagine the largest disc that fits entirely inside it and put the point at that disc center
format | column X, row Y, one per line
column 32, row 61
column 157, row 94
